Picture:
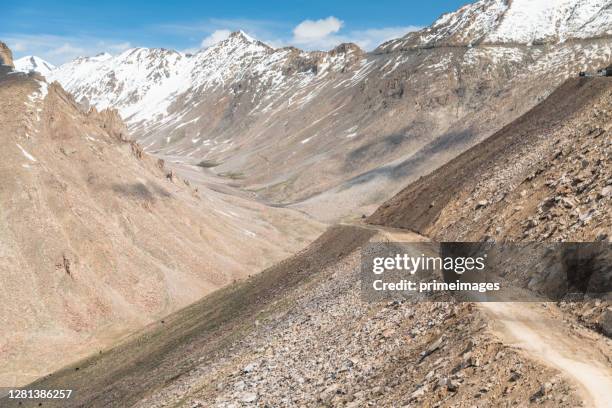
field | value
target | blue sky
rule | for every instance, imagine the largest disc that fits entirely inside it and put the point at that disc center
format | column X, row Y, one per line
column 60, row 33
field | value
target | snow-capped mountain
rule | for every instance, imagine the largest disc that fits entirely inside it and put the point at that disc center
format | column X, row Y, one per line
column 497, row 22
column 311, row 128
column 143, row 83
column 34, row 64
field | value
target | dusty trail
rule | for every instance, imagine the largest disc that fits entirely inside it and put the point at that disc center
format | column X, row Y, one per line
column 584, row 358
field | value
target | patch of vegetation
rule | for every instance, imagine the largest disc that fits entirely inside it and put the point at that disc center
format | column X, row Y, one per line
column 207, row 164
column 233, row 175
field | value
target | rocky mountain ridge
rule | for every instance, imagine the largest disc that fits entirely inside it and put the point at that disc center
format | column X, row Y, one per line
column 514, row 22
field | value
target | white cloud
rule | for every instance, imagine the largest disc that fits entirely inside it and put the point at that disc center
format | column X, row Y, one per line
column 311, row 31
column 18, row 47
column 120, row 47
column 66, row 49
column 216, row 37
column 327, row 33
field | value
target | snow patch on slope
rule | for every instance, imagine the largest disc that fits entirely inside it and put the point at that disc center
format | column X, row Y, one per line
column 26, row 154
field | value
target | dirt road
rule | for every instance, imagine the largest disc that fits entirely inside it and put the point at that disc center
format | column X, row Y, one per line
column 584, row 358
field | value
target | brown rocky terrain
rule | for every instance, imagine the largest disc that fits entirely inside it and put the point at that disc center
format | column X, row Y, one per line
column 300, row 334
column 545, row 177
column 99, row 239
column 6, row 56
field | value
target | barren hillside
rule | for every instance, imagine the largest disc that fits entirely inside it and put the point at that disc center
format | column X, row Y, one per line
column 300, row 334
column 545, row 176
column 139, row 206
column 99, row 239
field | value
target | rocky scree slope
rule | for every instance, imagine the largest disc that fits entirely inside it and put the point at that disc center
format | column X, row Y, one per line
column 346, row 129
column 545, row 177
column 299, row 334
column 99, row 239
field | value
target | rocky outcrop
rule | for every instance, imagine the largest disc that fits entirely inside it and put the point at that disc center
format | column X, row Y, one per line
column 110, row 120
column 347, row 48
column 6, row 56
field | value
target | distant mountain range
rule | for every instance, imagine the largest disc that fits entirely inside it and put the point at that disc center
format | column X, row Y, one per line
column 314, row 129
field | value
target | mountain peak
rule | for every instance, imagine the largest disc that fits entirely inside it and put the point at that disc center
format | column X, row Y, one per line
column 346, row 48
column 243, row 36
column 240, row 40
column 240, row 37
column 32, row 63
column 103, row 56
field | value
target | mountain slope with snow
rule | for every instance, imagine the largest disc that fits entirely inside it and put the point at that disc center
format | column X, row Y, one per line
column 516, row 22
column 318, row 129
column 34, row 64
column 142, row 83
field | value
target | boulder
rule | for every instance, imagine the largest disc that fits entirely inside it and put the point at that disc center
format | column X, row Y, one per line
column 605, row 322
